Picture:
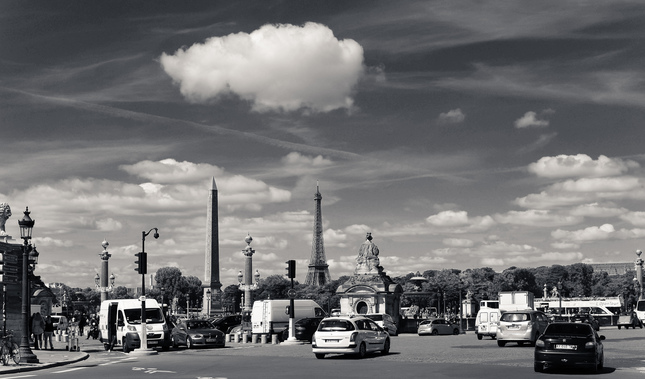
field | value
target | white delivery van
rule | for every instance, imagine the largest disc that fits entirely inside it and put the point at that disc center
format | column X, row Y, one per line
column 272, row 316
column 120, row 325
column 486, row 322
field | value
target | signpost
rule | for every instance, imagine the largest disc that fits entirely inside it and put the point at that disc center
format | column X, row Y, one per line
column 11, row 268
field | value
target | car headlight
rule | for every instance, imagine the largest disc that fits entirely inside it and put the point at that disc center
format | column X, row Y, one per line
column 197, row 336
column 131, row 328
column 539, row 343
column 590, row 345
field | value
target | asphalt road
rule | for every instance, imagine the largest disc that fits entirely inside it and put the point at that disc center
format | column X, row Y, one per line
column 461, row 356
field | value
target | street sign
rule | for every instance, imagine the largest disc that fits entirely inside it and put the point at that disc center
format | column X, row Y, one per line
column 291, row 293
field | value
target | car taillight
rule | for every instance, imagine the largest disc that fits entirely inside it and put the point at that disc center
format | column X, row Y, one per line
column 352, row 338
column 590, row 345
column 313, row 340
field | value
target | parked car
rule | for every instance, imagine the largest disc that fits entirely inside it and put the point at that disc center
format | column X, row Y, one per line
column 226, row 323
column 57, row 319
column 349, row 335
column 437, row 326
column 385, row 321
column 569, row 344
column 194, row 332
column 586, row 318
column 304, row 328
column 523, row 326
column 629, row 319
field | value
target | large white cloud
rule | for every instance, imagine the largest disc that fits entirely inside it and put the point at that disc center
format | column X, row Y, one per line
column 276, row 67
column 580, row 165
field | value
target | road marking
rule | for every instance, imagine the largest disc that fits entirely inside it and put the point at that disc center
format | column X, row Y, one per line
column 19, row 376
column 69, row 370
column 152, row 370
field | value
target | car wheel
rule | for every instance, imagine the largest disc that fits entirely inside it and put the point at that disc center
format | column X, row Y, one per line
column 435, row 332
column 538, row 367
column 320, row 355
column 386, row 347
column 173, row 342
column 189, row 343
column 126, row 349
column 601, row 364
column 455, row 332
column 479, row 336
column 618, row 327
column 362, row 350
column 501, row 343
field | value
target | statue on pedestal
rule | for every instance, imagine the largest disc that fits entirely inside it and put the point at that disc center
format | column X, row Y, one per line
column 367, row 261
column 5, row 213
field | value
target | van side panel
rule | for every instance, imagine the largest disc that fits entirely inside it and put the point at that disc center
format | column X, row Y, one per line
column 273, row 315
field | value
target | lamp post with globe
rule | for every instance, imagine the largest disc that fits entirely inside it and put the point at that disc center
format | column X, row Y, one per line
column 26, row 225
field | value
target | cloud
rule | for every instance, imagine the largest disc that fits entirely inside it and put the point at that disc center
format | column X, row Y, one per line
column 168, row 171
column 538, row 218
column 458, row 242
column 580, row 165
column 530, row 120
column 597, row 233
column 454, row 116
column 276, row 67
column 459, row 221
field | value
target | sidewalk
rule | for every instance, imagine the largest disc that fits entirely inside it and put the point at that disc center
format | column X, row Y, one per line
column 57, row 357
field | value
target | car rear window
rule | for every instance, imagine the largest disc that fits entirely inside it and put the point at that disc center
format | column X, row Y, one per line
column 336, row 325
column 375, row 317
column 568, row 329
column 515, row 317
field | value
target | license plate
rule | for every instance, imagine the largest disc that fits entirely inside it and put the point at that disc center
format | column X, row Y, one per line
column 211, row 340
column 514, row 327
column 152, row 342
column 565, row 347
column 332, row 340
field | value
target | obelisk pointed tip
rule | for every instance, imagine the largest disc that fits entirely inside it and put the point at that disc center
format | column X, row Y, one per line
column 213, row 185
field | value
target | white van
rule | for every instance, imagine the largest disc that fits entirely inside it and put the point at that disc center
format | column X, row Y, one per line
column 272, row 316
column 120, row 324
column 486, row 322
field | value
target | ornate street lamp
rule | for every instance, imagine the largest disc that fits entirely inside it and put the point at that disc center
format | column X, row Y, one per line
column 248, row 284
column 102, row 280
column 26, row 226
column 208, row 304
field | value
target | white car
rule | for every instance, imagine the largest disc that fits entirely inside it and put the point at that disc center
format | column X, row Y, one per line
column 385, row 321
column 349, row 335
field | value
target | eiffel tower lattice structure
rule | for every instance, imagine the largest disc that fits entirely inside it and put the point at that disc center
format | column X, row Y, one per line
column 318, row 272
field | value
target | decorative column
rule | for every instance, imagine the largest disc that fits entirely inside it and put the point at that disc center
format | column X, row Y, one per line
column 639, row 273
column 104, row 286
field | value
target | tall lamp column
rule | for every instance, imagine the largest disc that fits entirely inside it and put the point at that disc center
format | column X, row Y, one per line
column 102, row 280
column 143, row 269
column 248, row 284
column 26, row 227
column 639, row 273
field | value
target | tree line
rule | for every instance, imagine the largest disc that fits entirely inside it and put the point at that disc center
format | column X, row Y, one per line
column 441, row 289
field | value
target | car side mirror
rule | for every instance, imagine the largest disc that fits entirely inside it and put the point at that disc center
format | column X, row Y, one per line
column 602, row 338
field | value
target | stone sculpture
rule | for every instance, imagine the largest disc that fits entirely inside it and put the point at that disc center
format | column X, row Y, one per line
column 5, row 213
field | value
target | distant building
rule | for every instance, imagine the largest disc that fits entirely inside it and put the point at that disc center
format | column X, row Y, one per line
column 613, row 269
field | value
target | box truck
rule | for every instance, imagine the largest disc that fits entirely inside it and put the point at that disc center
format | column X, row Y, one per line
column 120, row 325
column 272, row 316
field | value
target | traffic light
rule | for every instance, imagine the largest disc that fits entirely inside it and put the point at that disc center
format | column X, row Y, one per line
column 291, row 269
column 142, row 263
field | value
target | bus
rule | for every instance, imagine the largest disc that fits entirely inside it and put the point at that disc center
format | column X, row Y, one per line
column 604, row 309
column 640, row 310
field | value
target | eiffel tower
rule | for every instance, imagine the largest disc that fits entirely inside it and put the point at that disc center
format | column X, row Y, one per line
column 318, row 273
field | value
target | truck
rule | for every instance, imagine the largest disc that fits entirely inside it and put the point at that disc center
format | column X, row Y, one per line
column 272, row 316
column 120, row 325
column 516, row 300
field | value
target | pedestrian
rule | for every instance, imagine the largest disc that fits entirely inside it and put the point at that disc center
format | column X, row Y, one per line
column 38, row 328
column 82, row 321
column 49, row 333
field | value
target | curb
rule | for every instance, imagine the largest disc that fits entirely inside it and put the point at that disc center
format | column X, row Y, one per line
column 34, row 367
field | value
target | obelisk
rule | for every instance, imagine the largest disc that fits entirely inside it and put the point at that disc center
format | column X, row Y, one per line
column 212, row 286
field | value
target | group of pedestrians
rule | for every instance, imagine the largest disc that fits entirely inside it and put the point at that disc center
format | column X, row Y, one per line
column 43, row 331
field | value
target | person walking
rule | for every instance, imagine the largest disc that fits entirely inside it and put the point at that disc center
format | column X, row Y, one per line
column 49, row 333
column 38, row 328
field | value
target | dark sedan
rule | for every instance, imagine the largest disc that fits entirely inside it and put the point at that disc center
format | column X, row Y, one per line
column 226, row 323
column 568, row 344
column 192, row 333
column 304, row 328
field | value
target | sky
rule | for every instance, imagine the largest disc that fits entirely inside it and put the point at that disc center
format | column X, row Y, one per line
column 461, row 134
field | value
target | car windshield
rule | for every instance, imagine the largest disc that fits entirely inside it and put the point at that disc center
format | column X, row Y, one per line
column 515, row 317
column 568, row 329
column 336, row 325
column 153, row 315
column 199, row 324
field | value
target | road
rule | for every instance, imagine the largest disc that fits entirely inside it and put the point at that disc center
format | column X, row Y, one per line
column 460, row 356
